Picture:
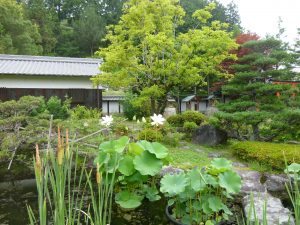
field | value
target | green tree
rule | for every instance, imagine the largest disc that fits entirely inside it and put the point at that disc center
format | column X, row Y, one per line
column 257, row 99
column 46, row 21
column 148, row 55
column 18, row 35
column 226, row 14
column 89, row 30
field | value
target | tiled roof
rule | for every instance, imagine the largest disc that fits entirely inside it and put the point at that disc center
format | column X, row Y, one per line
column 113, row 97
column 45, row 65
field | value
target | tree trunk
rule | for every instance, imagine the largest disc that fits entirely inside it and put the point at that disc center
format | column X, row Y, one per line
column 255, row 132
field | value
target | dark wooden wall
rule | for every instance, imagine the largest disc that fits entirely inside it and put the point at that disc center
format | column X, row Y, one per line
column 87, row 97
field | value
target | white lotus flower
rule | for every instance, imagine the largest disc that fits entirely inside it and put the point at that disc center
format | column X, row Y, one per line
column 106, row 121
column 157, row 120
column 144, row 120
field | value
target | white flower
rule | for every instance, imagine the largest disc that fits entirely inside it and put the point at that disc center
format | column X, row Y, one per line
column 138, row 121
column 144, row 120
column 134, row 118
column 85, row 124
column 157, row 120
column 106, row 120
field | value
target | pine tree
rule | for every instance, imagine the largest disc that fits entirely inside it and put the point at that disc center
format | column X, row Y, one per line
column 256, row 97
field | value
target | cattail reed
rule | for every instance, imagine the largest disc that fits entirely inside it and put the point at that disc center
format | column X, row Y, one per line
column 67, row 144
column 98, row 174
column 60, row 148
column 38, row 163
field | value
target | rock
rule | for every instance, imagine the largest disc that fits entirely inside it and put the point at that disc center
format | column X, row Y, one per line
column 276, row 214
column 210, row 111
column 214, row 155
column 209, row 135
column 251, row 181
column 127, row 217
column 170, row 170
column 275, row 182
column 239, row 165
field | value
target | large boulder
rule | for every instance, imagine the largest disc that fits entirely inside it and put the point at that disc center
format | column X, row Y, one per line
column 209, row 135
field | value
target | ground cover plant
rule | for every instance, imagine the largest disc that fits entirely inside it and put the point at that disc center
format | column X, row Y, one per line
column 267, row 153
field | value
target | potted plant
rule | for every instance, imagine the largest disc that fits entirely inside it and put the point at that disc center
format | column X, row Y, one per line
column 199, row 196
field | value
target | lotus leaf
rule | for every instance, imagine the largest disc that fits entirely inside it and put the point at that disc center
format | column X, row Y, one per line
column 128, row 200
column 173, row 184
column 135, row 149
column 293, row 168
column 136, row 177
column 147, row 164
column 231, row 181
column 126, row 166
column 155, row 148
column 151, row 193
column 115, row 145
column 219, row 165
column 197, row 180
column 215, row 203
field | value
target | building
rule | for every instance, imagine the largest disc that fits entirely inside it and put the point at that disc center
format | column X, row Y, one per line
column 112, row 104
column 50, row 76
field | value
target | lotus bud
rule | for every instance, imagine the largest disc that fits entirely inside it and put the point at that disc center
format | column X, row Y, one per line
column 98, row 174
column 134, row 118
column 138, row 121
column 144, row 120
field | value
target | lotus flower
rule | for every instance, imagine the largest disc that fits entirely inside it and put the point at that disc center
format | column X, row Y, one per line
column 144, row 120
column 106, row 120
column 157, row 120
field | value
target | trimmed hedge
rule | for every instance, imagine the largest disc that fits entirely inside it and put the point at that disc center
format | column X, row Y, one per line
column 187, row 116
column 272, row 154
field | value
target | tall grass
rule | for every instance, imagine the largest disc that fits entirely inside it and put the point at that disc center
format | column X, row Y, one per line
column 62, row 188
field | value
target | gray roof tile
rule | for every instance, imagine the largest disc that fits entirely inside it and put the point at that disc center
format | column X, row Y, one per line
column 44, row 65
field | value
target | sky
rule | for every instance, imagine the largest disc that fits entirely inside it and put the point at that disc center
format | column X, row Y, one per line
column 261, row 16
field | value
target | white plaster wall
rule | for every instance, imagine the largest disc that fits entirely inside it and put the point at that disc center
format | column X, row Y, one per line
column 183, row 106
column 50, row 82
column 113, row 107
column 202, row 106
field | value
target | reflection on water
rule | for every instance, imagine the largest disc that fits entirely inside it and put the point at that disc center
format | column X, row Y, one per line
column 17, row 195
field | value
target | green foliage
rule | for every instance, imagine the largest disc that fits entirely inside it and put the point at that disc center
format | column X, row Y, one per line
column 189, row 126
column 200, row 195
column 59, row 109
column 175, row 120
column 188, row 116
column 138, row 163
column 273, row 154
column 133, row 106
column 172, row 139
column 150, row 57
column 82, row 112
column 150, row 134
column 17, row 34
column 256, row 109
column 120, row 129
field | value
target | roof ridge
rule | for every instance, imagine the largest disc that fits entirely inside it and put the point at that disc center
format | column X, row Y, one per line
column 50, row 59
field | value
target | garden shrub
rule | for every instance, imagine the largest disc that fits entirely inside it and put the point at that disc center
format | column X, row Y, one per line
column 193, row 116
column 150, row 135
column 187, row 116
column 120, row 129
column 273, row 154
column 135, row 106
column 172, row 139
column 59, row 109
column 189, row 126
column 83, row 112
column 175, row 120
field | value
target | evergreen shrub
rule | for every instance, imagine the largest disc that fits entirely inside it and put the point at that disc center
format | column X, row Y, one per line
column 272, row 154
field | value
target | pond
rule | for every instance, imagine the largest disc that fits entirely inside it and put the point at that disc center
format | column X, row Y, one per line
column 17, row 189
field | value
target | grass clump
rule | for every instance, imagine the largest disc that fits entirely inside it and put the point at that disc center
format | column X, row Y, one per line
column 267, row 153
